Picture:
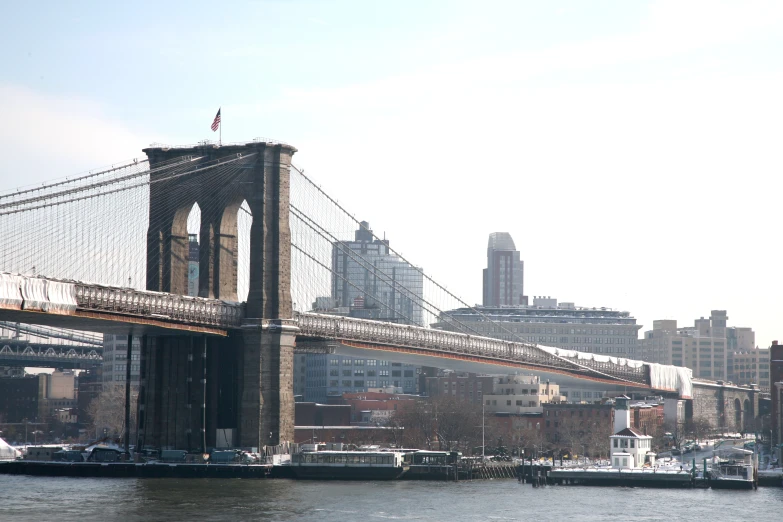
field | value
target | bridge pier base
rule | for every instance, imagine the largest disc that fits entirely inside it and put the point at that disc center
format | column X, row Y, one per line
column 266, row 415
column 186, row 399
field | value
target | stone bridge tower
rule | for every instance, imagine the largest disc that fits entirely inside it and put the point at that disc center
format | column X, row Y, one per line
column 235, row 391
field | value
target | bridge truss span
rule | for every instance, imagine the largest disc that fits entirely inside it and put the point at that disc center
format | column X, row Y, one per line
column 76, row 357
column 442, row 342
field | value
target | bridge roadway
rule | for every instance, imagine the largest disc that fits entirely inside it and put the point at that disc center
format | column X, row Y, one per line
column 85, row 306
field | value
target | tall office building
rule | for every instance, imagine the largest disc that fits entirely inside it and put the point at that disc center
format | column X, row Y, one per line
column 365, row 270
column 504, row 274
column 114, row 360
column 547, row 322
column 709, row 348
column 368, row 282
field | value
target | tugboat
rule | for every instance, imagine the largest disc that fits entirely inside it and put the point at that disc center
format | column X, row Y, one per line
column 734, row 468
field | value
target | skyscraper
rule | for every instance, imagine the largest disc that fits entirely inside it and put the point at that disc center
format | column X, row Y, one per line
column 366, row 271
column 504, row 273
column 369, row 282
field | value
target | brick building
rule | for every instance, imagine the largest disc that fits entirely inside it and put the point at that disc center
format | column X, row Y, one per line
column 314, row 414
column 555, row 415
column 460, row 385
column 374, row 408
column 358, row 435
column 750, row 367
column 647, row 417
column 19, row 398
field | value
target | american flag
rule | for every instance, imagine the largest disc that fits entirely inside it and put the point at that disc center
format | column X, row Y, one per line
column 216, row 123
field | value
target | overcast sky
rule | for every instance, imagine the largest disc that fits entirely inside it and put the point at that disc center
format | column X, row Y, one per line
column 632, row 149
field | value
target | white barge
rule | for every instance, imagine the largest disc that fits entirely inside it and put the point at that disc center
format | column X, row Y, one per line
column 349, row 465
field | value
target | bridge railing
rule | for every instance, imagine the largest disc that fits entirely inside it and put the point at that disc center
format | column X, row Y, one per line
column 336, row 327
column 169, row 306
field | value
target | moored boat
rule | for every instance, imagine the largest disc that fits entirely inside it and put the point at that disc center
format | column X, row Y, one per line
column 349, row 465
column 734, row 468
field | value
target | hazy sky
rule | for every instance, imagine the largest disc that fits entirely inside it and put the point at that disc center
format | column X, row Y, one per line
column 632, row 149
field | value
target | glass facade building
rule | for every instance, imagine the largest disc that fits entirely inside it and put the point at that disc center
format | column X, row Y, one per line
column 365, row 269
column 320, row 376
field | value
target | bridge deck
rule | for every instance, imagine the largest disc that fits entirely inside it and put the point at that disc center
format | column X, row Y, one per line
column 84, row 306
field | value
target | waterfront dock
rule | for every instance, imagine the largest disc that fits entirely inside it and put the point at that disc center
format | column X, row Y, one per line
column 650, row 478
column 140, row 470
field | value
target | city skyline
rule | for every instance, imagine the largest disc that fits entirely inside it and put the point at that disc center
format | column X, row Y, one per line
column 629, row 146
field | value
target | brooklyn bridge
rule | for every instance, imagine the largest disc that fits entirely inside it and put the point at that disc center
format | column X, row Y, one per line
column 108, row 252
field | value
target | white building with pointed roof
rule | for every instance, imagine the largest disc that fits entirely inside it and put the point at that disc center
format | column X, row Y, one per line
column 628, row 448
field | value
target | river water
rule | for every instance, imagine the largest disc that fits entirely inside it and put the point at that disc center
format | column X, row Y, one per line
column 64, row 499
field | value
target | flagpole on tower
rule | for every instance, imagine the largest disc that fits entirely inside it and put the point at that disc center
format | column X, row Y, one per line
column 216, row 124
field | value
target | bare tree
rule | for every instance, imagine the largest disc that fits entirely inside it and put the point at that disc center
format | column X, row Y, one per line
column 107, row 411
column 457, row 423
column 414, row 425
column 453, row 424
column 596, row 438
column 698, row 427
column 533, row 441
column 571, row 434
